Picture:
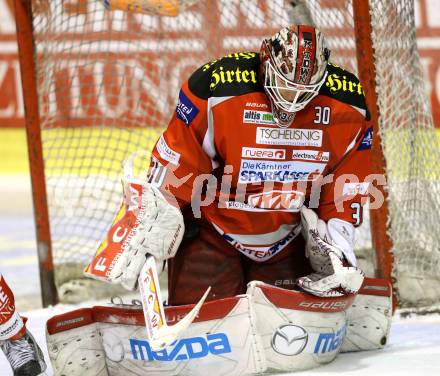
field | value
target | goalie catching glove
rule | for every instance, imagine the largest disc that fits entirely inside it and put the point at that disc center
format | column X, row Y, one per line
column 329, row 248
column 146, row 224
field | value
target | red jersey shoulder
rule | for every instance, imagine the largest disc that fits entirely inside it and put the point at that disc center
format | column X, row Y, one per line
column 344, row 87
column 232, row 75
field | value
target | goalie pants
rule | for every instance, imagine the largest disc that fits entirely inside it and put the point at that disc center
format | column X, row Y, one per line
column 206, row 259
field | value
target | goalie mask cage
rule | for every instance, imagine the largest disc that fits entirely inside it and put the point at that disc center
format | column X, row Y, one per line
column 99, row 87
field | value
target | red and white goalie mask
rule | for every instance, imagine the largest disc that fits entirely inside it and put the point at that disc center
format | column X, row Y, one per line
column 294, row 65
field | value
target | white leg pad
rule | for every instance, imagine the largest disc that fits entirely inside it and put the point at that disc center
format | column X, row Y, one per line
column 268, row 329
column 211, row 345
column 77, row 351
column 299, row 331
column 369, row 317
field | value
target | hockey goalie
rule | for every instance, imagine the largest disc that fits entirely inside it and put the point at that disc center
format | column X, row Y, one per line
column 254, row 191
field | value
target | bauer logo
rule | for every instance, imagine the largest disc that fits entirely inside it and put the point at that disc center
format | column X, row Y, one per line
column 257, row 105
column 324, row 306
column 311, row 155
column 183, row 349
column 260, row 153
column 257, row 117
column 186, row 110
column 328, row 342
column 292, row 137
column 367, row 140
column 289, row 340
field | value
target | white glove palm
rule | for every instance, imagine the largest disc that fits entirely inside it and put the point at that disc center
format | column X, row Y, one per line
column 334, row 264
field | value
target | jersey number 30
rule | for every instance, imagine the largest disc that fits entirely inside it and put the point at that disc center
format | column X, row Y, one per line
column 322, row 115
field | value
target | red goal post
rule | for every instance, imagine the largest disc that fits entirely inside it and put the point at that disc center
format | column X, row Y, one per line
column 100, row 85
column 23, row 19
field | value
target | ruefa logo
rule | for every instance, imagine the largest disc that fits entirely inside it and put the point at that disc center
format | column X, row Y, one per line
column 261, row 153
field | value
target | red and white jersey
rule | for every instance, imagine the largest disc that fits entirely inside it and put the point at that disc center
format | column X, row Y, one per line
column 252, row 176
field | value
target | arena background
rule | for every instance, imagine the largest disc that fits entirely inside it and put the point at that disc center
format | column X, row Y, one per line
column 13, row 158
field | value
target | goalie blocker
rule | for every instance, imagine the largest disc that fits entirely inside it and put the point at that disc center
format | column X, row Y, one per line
column 280, row 330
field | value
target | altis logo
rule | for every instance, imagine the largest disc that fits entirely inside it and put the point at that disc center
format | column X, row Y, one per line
column 183, row 349
column 328, row 342
column 258, row 117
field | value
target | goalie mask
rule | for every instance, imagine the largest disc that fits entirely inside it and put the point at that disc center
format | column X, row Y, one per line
column 293, row 70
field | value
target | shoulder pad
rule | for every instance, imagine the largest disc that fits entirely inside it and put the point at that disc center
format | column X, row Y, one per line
column 232, row 75
column 345, row 87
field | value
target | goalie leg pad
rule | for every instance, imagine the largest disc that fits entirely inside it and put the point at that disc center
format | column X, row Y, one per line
column 280, row 330
column 369, row 317
column 211, row 344
column 299, row 331
column 74, row 344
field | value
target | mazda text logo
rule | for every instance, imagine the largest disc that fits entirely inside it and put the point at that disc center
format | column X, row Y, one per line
column 289, row 340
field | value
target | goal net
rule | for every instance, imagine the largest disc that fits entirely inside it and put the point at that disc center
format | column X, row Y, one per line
column 107, row 84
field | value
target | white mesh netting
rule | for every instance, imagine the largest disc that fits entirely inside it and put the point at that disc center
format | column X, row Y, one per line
column 412, row 153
